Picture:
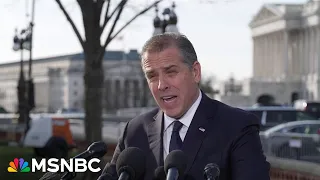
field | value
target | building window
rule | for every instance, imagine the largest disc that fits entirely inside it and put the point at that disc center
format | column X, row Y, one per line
column 75, row 83
column 75, row 93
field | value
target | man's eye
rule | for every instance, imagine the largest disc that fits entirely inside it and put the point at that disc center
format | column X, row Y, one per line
column 150, row 76
column 172, row 72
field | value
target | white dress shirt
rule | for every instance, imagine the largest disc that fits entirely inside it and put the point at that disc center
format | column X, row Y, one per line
column 185, row 120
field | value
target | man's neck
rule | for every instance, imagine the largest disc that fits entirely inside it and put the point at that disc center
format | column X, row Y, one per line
column 194, row 99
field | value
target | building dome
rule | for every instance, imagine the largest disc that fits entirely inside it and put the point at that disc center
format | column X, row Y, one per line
column 172, row 22
column 173, row 18
column 156, row 22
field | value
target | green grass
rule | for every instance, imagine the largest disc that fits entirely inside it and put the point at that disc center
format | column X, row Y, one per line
column 7, row 154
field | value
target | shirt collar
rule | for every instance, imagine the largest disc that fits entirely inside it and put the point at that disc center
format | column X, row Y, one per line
column 187, row 117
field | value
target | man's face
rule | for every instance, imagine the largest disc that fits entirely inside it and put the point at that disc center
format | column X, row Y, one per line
column 173, row 84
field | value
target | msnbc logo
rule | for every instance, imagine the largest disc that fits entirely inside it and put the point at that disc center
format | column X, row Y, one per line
column 17, row 164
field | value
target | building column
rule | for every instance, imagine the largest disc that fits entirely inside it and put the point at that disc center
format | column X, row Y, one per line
column 312, row 57
column 268, row 59
column 307, row 52
column 130, row 93
column 306, row 61
column 273, row 55
column 285, row 55
column 125, row 93
column 120, row 91
column 280, row 54
column 137, row 97
column 259, row 57
column 317, row 48
column 277, row 54
column 140, row 91
column 254, row 55
column 262, row 54
column 317, row 56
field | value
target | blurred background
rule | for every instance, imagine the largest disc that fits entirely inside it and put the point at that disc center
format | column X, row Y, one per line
column 67, row 80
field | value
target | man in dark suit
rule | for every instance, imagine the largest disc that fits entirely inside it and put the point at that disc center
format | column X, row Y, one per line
column 206, row 130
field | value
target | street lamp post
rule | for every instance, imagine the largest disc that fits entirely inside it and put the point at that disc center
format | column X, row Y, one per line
column 22, row 41
column 25, row 87
column 168, row 23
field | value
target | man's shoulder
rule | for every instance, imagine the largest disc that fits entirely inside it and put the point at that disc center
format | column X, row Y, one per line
column 145, row 118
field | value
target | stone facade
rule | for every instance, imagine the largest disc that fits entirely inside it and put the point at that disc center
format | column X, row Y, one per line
column 286, row 52
column 286, row 56
column 59, row 82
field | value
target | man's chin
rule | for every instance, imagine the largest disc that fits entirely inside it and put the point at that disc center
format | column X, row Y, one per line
column 171, row 113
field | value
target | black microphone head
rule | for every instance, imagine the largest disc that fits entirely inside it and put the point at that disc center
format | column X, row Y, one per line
column 176, row 159
column 98, row 149
column 159, row 173
column 109, row 169
column 133, row 161
column 107, row 177
column 211, row 170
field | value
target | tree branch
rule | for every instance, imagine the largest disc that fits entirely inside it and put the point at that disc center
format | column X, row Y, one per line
column 108, row 40
column 99, row 5
column 107, row 18
column 121, row 5
column 71, row 22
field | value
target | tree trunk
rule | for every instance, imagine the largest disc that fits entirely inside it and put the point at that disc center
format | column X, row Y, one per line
column 93, row 79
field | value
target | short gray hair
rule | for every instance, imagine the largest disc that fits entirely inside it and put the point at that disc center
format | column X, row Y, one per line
column 161, row 42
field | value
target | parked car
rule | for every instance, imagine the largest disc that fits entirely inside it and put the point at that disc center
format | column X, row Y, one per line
column 69, row 111
column 273, row 115
column 310, row 107
column 3, row 110
column 296, row 140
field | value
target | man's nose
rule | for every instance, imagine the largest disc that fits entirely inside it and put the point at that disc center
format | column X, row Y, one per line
column 162, row 85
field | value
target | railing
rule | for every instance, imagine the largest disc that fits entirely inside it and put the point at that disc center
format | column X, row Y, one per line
column 111, row 129
column 288, row 169
column 304, row 147
column 287, row 156
column 107, row 117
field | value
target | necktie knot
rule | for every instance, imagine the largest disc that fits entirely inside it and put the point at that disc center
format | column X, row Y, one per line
column 177, row 126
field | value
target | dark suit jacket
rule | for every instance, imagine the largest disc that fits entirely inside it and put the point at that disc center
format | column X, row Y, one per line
column 231, row 140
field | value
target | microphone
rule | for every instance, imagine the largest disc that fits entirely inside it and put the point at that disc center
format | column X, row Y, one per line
column 175, row 164
column 109, row 172
column 95, row 150
column 159, row 174
column 131, row 164
column 211, row 172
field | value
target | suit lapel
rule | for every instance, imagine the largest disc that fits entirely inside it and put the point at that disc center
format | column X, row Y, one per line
column 155, row 137
column 197, row 130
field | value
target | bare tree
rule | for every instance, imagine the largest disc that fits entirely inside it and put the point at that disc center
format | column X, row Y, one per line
column 206, row 85
column 95, row 21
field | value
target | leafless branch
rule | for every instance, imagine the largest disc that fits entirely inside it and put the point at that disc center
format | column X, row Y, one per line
column 71, row 22
column 108, row 17
column 99, row 4
column 121, row 5
column 108, row 40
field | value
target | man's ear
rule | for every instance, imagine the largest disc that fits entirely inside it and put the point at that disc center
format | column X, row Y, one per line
column 196, row 70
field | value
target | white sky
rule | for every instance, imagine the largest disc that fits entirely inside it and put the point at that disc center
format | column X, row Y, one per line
column 219, row 31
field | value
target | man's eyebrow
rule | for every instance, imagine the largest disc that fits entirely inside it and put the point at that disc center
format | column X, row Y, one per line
column 169, row 67
column 148, row 72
